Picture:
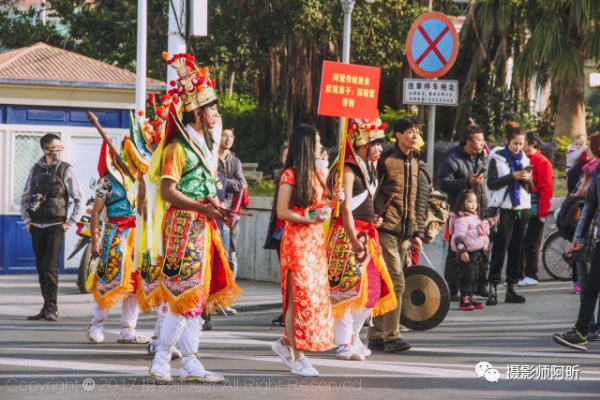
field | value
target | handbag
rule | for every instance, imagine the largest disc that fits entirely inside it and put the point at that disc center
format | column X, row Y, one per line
column 494, row 212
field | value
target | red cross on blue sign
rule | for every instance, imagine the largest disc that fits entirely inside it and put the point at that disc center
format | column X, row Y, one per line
column 432, row 45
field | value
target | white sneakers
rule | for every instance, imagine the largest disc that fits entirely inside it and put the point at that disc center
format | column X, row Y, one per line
column 527, row 281
column 94, row 333
column 284, row 352
column 192, row 370
column 302, row 367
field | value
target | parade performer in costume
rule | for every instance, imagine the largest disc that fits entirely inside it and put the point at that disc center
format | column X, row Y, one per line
column 146, row 135
column 195, row 272
column 359, row 282
column 115, row 277
column 302, row 204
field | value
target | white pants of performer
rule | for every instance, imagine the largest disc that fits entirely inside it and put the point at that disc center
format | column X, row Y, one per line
column 161, row 313
column 130, row 310
column 347, row 328
column 177, row 329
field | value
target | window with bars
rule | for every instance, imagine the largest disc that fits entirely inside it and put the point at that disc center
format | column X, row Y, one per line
column 27, row 153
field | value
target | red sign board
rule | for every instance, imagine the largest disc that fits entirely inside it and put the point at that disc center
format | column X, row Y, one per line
column 349, row 90
column 432, row 45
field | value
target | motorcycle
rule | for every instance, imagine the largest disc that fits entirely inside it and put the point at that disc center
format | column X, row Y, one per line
column 87, row 265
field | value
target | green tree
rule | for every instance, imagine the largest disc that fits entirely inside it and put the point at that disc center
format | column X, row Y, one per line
column 28, row 25
column 564, row 33
column 106, row 30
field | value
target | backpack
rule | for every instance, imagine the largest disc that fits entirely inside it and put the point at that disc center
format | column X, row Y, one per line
column 568, row 216
column 436, row 215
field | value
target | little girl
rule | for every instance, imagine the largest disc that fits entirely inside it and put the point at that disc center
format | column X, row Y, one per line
column 469, row 241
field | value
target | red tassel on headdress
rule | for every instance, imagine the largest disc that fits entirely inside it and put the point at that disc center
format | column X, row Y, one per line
column 102, row 166
column 173, row 123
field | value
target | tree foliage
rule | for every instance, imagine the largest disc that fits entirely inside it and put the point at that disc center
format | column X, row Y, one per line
column 267, row 55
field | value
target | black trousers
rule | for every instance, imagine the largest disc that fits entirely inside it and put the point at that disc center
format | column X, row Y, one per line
column 451, row 271
column 46, row 247
column 512, row 226
column 589, row 293
column 530, row 254
column 467, row 272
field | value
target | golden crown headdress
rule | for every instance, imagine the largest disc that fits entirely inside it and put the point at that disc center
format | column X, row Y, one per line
column 363, row 131
column 193, row 84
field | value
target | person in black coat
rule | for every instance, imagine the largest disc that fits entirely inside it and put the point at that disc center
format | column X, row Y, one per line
column 464, row 167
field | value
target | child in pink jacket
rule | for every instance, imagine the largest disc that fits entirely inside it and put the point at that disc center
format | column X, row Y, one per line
column 470, row 237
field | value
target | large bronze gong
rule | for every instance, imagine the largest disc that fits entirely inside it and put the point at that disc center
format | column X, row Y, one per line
column 426, row 299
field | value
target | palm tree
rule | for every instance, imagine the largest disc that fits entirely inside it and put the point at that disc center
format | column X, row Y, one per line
column 564, row 34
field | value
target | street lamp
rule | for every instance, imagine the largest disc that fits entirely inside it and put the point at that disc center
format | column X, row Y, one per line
column 347, row 7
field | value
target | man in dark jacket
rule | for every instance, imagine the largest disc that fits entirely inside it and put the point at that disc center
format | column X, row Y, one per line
column 461, row 168
column 44, row 209
column 398, row 171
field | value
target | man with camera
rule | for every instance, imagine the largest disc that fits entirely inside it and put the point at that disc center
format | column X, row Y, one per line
column 44, row 206
column 464, row 166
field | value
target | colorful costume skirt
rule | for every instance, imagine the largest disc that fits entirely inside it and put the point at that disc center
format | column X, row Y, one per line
column 113, row 281
column 195, row 271
column 358, row 281
column 149, row 292
column 303, row 257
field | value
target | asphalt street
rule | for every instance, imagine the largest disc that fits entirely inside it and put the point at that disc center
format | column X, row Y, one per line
column 55, row 361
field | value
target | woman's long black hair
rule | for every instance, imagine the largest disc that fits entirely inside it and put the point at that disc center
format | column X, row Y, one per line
column 301, row 156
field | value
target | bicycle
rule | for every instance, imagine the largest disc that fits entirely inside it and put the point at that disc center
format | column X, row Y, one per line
column 556, row 257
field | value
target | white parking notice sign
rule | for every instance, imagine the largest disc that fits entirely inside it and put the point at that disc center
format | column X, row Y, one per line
column 433, row 92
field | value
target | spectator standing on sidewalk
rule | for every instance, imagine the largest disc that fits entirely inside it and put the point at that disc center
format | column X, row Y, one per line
column 398, row 173
column 541, row 194
column 231, row 182
column 576, row 338
column 507, row 190
column 44, row 208
column 462, row 168
column 275, row 229
column 231, row 167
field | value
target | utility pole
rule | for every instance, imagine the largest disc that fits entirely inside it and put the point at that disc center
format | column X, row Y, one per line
column 140, row 72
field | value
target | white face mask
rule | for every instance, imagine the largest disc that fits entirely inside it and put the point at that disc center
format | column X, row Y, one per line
column 323, row 164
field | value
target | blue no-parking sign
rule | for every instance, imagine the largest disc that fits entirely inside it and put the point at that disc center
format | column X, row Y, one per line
column 432, row 45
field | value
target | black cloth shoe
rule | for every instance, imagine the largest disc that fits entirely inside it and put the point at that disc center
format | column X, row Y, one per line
column 375, row 344
column 395, row 346
column 38, row 316
column 207, row 326
column 51, row 316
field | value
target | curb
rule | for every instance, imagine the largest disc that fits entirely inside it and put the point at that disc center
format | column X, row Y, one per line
column 259, row 307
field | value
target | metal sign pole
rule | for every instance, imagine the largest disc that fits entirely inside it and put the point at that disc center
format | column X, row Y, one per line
column 430, row 137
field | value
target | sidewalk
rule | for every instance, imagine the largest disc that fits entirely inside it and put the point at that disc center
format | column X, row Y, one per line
column 20, row 295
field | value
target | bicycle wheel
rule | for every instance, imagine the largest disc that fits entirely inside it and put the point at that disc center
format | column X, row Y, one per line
column 553, row 257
